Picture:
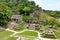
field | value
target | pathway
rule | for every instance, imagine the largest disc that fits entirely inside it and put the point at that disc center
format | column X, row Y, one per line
column 39, row 36
column 15, row 32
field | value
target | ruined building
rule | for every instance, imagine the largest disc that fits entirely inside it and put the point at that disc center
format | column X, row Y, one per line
column 33, row 25
column 16, row 18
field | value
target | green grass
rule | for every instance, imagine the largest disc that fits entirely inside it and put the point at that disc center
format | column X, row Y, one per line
column 12, row 38
column 4, row 34
column 57, row 34
column 29, row 33
column 21, row 26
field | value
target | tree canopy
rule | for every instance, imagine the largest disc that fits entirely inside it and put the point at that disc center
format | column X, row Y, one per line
column 26, row 7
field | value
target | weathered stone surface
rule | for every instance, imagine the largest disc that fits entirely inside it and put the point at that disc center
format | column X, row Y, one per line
column 13, row 25
column 33, row 25
column 16, row 18
column 2, row 29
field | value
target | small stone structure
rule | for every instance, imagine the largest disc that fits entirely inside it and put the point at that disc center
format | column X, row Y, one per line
column 49, row 33
column 20, row 38
column 16, row 17
column 1, row 29
column 33, row 25
column 13, row 25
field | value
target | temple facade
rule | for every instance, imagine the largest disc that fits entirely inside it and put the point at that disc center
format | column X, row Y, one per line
column 16, row 17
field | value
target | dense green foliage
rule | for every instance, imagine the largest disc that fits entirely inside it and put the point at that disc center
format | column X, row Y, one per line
column 7, row 7
column 3, row 19
column 46, row 19
column 25, row 7
column 29, row 12
column 55, row 14
column 5, row 14
column 26, row 18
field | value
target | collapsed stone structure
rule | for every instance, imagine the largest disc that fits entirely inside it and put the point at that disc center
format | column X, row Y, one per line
column 48, row 33
column 1, row 29
column 12, row 26
column 33, row 25
column 16, row 18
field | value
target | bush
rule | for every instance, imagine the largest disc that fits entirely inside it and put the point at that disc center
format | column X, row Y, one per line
column 26, row 18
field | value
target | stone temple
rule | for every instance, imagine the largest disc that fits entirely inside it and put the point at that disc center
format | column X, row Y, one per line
column 16, row 17
column 33, row 25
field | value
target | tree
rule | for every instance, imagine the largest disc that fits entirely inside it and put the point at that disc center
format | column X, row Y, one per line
column 5, row 9
column 5, row 14
column 26, row 10
column 3, row 19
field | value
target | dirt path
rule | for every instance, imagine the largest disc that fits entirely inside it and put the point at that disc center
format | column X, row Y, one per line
column 15, row 32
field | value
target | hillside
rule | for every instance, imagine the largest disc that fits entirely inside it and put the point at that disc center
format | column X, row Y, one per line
column 24, row 16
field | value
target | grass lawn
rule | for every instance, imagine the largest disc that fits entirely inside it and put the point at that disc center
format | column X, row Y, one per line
column 12, row 38
column 57, row 34
column 4, row 34
column 29, row 34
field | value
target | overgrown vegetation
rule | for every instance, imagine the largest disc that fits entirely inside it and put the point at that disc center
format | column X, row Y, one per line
column 7, row 7
column 25, row 8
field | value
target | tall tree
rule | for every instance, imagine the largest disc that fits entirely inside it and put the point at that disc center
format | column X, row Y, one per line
column 5, row 13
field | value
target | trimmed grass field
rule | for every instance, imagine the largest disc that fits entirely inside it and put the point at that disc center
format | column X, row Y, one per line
column 4, row 34
column 57, row 34
column 28, row 34
column 12, row 38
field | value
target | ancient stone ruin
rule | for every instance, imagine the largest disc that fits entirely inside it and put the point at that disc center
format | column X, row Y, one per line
column 33, row 25
column 16, row 17
column 48, row 33
column 1, row 29
column 12, row 26
column 21, row 38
